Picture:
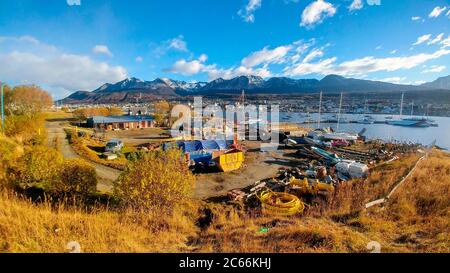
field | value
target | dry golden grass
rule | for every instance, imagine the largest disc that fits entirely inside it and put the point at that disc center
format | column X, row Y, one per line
column 53, row 115
column 231, row 232
column 27, row 227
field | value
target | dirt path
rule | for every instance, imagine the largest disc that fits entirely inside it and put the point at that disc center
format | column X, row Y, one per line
column 105, row 174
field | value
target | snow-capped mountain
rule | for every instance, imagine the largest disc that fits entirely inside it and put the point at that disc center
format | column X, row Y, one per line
column 238, row 83
column 133, row 89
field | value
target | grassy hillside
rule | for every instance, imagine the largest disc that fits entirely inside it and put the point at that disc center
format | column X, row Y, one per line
column 416, row 219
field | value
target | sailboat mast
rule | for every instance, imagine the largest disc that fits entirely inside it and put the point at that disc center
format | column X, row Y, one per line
column 339, row 115
column 401, row 105
column 320, row 110
column 412, row 108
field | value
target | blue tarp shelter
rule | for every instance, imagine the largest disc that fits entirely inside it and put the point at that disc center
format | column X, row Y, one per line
column 200, row 145
column 200, row 150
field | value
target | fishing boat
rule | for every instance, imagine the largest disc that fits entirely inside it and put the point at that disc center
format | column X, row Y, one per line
column 340, row 136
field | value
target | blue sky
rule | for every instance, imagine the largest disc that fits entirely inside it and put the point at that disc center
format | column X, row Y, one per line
column 68, row 45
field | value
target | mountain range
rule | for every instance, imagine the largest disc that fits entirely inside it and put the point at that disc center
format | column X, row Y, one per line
column 133, row 89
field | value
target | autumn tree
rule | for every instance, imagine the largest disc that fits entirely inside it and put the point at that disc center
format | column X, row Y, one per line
column 85, row 113
column 28, row 99
column 114, row 111
column 7, row 96
column 161, row 112
column 159, row 181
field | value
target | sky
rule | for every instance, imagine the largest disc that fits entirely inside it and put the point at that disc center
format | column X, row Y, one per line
column 70, row 45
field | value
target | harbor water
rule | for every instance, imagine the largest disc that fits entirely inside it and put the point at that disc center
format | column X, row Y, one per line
column 382, row 131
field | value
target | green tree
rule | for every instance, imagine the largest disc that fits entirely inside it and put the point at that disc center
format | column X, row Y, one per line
column 159, row 181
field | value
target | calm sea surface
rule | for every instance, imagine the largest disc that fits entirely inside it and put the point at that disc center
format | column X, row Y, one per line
column 382, row 131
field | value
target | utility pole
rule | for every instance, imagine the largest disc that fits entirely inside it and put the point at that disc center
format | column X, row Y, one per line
column 2, row 107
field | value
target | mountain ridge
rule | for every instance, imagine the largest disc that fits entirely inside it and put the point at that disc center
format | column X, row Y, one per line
column 133, row 89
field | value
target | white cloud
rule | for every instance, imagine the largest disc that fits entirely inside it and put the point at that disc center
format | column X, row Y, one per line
column 316, row 12
column 416, row 18
column 177, row 43
column 419, row 82
column 363, row 65
column 422, row 39
column 445, row 43
column 214, row 73
column 298, row 61
column 374, row 2
column 316, row 53
column 436, row 12
column 448, row 13
column 139, row 59
column 378, row 47
column 266, row 55
column 308, row 68
column 371, row 64
column 203, row 58
column 435, row 69
column 396, row 80
column 189, row 68
column 437, row 39
column 356, row 4
column 73, row 2
column 102, row 49
column 33, row 62
column 197, row 66
column 247, row 13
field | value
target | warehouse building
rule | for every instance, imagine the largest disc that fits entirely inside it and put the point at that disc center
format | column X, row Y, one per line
column 120, row 122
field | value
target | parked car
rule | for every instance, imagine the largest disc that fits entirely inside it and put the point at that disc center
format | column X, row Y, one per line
column 114, row 146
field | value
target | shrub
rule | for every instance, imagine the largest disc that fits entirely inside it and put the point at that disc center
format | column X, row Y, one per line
column 10, row 151
column 28, row 128
column 39, row 165
column 158, row 181
column 76, row 177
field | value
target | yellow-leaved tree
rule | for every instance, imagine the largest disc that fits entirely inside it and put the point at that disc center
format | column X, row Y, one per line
column 159, row 181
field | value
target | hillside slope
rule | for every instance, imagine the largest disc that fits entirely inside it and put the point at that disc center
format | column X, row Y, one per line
column 415, row 220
